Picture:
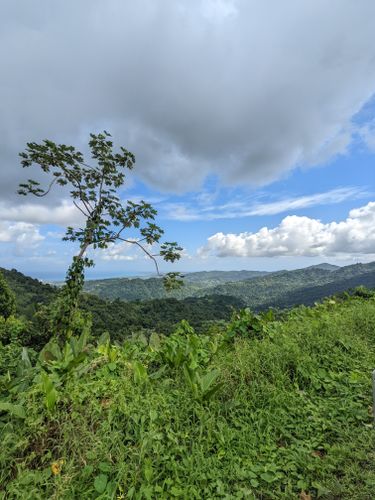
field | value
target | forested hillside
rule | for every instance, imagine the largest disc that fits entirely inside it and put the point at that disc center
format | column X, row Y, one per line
column 152, row 288
column 123, row 318
column 269, row 289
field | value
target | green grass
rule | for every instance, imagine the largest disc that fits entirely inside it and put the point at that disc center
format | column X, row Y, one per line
column 289, row 413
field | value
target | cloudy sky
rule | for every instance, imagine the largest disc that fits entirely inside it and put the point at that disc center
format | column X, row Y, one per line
column 252, row 122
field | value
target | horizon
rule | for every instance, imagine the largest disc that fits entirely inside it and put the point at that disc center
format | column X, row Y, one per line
column 54, row 278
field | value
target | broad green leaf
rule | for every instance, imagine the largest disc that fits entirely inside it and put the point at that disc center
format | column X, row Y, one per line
column 100, row 483
column 15, row 410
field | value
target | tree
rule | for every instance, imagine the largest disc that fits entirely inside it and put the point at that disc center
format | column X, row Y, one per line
column 7, row 299
column 94, row 192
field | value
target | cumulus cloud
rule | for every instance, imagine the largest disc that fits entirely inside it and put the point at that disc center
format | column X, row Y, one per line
column 301, row 236
column 65, row 213
column 22, row 234
column 243, row 89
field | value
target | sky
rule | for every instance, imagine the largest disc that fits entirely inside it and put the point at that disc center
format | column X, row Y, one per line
column 252, row 123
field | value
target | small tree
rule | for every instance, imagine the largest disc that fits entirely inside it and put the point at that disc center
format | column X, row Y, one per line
column 94, row 192
column 7, row 299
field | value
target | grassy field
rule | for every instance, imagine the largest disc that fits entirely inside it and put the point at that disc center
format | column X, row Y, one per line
column 261, row 409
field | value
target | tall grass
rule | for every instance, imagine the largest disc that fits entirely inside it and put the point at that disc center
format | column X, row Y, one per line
column 284, row 414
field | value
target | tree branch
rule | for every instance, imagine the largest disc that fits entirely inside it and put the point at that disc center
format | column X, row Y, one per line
column 48, row 190
column 80, row 209
column 133, row 242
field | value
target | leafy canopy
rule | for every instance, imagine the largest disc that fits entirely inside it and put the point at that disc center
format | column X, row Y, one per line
column 94, row 190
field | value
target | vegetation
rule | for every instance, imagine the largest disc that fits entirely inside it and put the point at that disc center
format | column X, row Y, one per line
column 7, row 299
column 120, row 319
column 199, row 283
column 257, row 292
column 94, row 192
column 262, row 408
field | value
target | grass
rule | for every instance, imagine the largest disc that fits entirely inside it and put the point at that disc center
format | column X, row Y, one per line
column 284, row 414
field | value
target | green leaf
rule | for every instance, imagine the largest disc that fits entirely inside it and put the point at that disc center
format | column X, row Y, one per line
column 269, row 478
column 105, row 467
column 140, row 373
column 208, row 379
column 100, row 483
column 15, row 410
column 51, row 398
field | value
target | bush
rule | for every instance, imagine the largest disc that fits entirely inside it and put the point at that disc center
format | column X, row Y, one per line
column 7, row 299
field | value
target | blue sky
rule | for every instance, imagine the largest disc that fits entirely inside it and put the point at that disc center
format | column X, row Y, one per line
column 254, row 140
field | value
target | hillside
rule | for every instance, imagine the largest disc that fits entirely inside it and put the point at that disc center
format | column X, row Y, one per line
column 122, row 319
column 29, row 291
column 195, row 284
column 269, row 289
column 266, row 409
column 216, row 303
column 310, row 294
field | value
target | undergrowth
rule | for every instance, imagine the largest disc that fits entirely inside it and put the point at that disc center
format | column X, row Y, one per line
column 270, row 407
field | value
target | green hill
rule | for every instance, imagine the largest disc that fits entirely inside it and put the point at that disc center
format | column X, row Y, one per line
column 257, row 292
column 122, row 319
column 273, row 288
column 131, row 289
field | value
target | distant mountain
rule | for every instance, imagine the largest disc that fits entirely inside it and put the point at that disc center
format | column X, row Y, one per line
column 196, row 285
column 311, row 294
column 275, row 287
column 222, row 276
column 254, row 288
column 208, row 302
column 121, row 318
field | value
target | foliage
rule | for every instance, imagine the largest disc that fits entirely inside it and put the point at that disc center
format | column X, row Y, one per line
column 14, row 330
column 120, row 319
column 7, row 299
column 94, row 192
column 249, row 325
column 281, row 412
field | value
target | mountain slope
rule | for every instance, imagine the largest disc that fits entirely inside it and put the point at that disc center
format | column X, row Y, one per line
column 122, row 318
column 272, row 288
column 152, row 288
column 309, row 295
column 256, row 291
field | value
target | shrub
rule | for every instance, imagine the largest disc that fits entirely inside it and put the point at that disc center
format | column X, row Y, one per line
column 7, row 299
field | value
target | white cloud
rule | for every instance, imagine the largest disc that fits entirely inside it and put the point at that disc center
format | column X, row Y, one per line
column 301, row 236
column 65, row 213
column 328, row 198
column 247, row 208
column 22, row 234
column 118, row 251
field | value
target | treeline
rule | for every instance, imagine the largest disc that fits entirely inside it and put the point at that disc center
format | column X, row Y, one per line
column 122, row 319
